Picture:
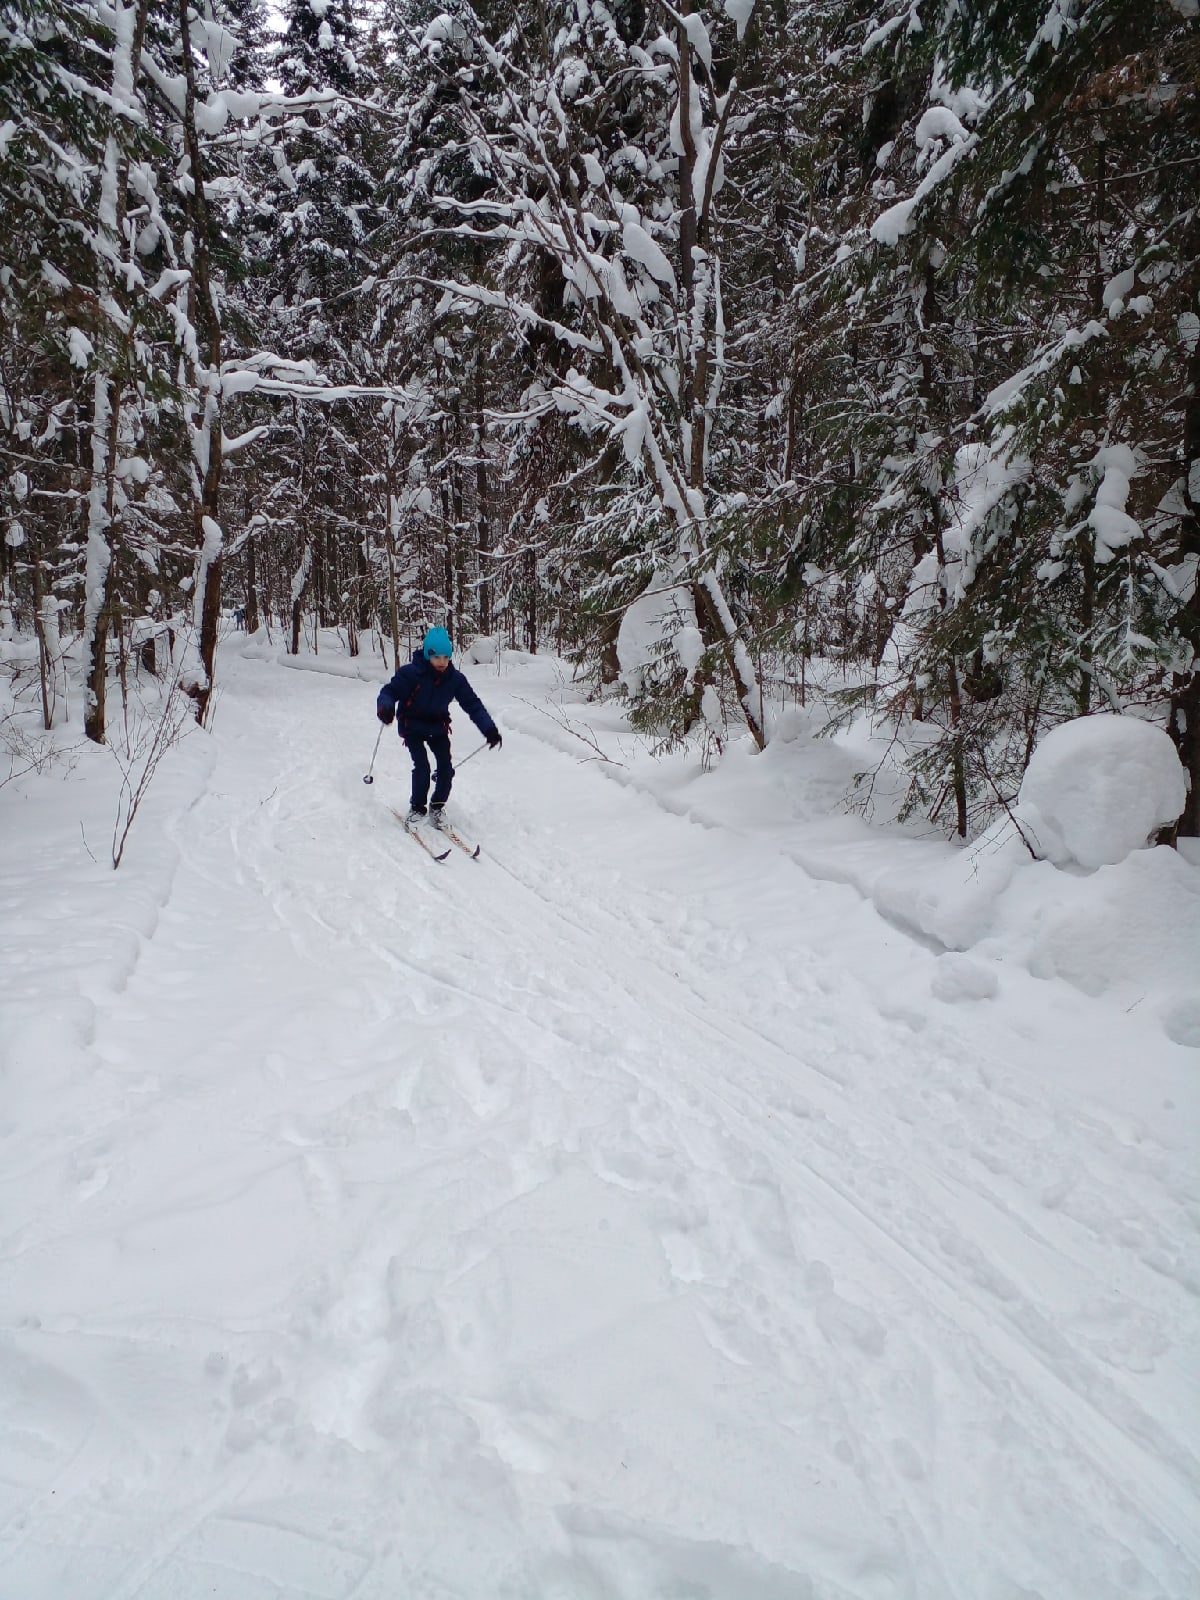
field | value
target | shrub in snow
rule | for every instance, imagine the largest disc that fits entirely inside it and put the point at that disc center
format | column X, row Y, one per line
column 1097, row 788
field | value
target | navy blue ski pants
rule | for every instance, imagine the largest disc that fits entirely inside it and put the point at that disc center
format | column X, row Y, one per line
column 439, row 743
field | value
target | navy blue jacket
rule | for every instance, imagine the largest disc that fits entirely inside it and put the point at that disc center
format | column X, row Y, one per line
column 421, row 698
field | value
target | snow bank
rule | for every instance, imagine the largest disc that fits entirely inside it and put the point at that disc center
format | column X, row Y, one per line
column 945, row 894
column 1098, row 788
column 1125, row 934
column 1130, row 931
column 960, row 978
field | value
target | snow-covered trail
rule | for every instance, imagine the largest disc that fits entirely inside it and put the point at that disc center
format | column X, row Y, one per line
column 614, row 1217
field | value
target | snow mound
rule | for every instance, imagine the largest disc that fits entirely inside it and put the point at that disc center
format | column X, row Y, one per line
column 1181, row 1022
column 1130, row 931
column 1097, row 788
column 949, row 895
column 482, row 651
column 959, row 978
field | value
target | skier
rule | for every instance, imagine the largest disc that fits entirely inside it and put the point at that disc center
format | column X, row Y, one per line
column 419, row 696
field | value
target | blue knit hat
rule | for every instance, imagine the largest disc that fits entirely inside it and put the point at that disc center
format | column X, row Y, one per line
column 437, row 643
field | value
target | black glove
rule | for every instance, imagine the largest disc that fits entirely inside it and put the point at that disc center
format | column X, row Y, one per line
column 385, row 715
column 494, row 740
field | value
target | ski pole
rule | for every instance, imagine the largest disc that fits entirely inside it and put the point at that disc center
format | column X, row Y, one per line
column 473, row 754
column 368, row 778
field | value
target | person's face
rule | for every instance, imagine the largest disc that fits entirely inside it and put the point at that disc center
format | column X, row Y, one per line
column 439, row 663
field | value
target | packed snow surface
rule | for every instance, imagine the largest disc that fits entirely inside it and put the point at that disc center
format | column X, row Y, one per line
column 1097, row 788
column 657, row 1208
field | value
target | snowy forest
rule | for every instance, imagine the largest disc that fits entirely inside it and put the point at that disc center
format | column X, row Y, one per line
column 847, row 349
column 736, row 1138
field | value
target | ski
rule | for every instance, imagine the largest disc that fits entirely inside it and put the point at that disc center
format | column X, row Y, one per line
column 456, row 838
column 413, row 833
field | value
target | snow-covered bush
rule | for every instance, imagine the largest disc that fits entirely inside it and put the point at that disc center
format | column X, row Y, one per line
column 482, row 651
column 1097, row 788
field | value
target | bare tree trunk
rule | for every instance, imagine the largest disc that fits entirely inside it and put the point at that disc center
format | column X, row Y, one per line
column 39, row 622
column 700, row 276
column 1100, row 261
column 483, row 532
column 1087, row 617
column 129, row 24
column 300, row 585
column 101, row 557
column 320, row 563
column 251, row 587
column 531, row 613
column 461, row 578
column 610, row 662
column 364, row 587
column 207, row 438
column 447, row 544
column 958, row 765
column 1183, row 722
column 393, row 608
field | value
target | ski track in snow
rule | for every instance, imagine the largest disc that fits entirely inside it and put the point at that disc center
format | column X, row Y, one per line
column 615, row 1217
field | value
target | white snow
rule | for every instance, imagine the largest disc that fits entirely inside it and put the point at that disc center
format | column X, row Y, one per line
column 655, row 617
column 1097, row 788
column 891, row 225
column 883, row 32
column 1113, row 526
column 740, row 11
column 482, row 651
column 968, row 103
column 1116, row 291
column 59, row 281
column 650, row 1209
column 938, row 123
column 959, row 978
column 689, row 647
column 983, row 479
column 639, row 246
column 697, row 33
column 80, row 346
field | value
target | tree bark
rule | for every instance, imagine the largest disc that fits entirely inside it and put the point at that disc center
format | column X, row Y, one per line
column 39, row 623
column 1183, row 720
column 101, row 559
column 483, row 532
column 128, row 32
column 207, row 438
column 251, row 587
